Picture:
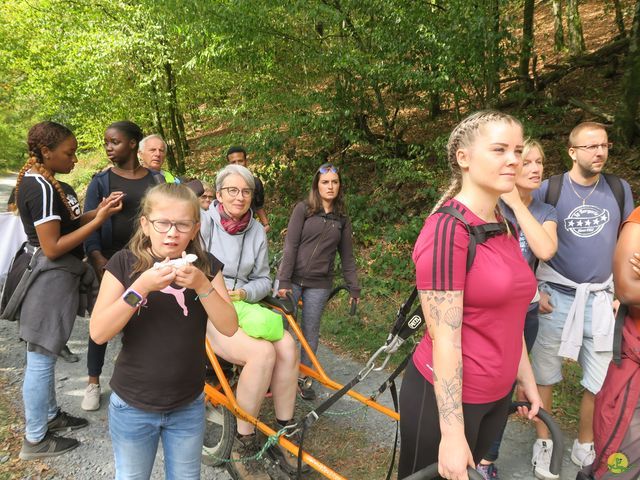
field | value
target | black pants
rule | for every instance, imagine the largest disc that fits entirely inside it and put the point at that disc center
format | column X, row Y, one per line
column 420, row 426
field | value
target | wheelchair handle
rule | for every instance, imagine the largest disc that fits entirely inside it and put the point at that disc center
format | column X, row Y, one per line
column 431, row 472
column 354, row 307
column 556, row 435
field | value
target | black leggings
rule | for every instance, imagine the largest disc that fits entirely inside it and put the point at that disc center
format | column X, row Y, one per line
column 420, row 426
column 95, row 358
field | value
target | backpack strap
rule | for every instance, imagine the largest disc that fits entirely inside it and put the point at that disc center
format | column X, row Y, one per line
column 615, row 184
column 553, row 190
column 617, row 333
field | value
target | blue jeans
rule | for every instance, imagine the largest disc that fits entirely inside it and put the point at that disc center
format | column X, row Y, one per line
column 39, row 395
column 313, row 302
column 135, row 434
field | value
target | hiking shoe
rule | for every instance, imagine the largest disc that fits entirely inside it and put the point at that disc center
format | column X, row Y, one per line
column 541, row 459
column 488, row 472
column 68, row 356
column 91, row 399
column 50, row 446
column 244, row 465
column 63, row 422
column 305, row 389
column 288, row 461
column 582, row 454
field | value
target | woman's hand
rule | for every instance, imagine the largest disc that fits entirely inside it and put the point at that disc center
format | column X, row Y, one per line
column 239, row 295
column 282, row 293
column 110, row 205
column 454, row 457
column 545, row 302
column 528, row 392
column 98, row 262
column 512, row 198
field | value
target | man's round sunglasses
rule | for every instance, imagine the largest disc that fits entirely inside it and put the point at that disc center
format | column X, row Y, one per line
column 163, row 226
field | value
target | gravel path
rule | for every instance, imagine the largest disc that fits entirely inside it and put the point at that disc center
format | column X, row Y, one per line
column 94, row 460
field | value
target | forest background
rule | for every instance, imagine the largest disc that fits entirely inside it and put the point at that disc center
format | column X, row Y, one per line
column 374, row 86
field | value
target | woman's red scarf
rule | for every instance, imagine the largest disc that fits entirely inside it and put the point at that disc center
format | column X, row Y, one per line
column 230, row 225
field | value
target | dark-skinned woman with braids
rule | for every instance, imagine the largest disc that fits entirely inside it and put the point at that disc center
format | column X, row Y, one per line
column 51, row 217
column 121, row 140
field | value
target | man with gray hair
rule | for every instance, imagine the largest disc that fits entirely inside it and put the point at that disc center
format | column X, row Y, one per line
column 152, row 153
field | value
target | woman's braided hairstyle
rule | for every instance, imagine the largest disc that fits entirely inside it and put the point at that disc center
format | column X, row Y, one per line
column 462, row 136
column 50, row 135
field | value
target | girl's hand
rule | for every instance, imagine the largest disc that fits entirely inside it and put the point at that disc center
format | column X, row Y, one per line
column 155, row 279
column 98, row 262
column 112, row 196
column 191, row 277
column 454, row 457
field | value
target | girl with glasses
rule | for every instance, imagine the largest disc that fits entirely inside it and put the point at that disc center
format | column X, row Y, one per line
column 163, row 312
column 318, row 229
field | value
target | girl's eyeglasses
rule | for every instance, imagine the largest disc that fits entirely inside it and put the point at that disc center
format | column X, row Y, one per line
column 163, row 226
column 206, row 197
column 327, row 167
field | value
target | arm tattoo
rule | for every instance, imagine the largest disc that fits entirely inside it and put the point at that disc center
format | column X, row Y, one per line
column 449, row 397
column 439, row 309
column 453, row 317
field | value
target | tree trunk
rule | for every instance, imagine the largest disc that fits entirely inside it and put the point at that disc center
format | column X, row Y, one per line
column 492, row 75
column 626, row 117
column 527, row 45
column 173, row 118
column 575, row 39
column 558, row 35
column 619, row 18
column 171, row 159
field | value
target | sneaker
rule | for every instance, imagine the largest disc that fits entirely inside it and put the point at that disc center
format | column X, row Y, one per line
column 68, row 356
column 305, row 389
column 488, row 472
column 582, row 454
column 541, row 459
column 243, row 464
column 63, row 422
column 50, row 446
column 91, row 400
column 285, row 459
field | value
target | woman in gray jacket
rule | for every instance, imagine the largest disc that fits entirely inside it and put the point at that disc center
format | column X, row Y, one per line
column 318, row 228
column 230, row 232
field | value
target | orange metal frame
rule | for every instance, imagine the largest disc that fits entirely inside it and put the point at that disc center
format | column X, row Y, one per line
column 223, row 395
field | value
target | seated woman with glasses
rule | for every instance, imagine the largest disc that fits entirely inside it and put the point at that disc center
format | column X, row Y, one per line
column 318, row 228
column 240, row 243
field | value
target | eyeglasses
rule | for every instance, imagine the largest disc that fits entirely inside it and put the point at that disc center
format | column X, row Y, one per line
column 206, row 197
column 233, row 191
column 327, row 167
column 594, row 148
column 163, row 226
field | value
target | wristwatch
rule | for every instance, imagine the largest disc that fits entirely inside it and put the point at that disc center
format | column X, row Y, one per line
column 133, row 298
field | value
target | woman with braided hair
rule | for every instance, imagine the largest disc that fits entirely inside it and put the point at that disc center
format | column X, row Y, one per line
column 457, row 390
column 51, row 218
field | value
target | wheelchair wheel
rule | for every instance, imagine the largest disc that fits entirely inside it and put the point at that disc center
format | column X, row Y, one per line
column 220, row 430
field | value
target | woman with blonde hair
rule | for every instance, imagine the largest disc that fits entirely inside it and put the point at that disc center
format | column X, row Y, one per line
column 474, row 318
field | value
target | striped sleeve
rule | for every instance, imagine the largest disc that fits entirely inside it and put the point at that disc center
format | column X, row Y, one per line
column 440, row 254
column 40, row 200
